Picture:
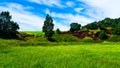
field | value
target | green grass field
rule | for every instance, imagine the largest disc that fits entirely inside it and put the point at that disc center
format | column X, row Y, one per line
column 33, row 32
column 100, row 55
column 67, row 52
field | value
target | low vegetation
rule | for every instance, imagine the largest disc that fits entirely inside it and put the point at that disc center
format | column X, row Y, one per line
column 99, row 55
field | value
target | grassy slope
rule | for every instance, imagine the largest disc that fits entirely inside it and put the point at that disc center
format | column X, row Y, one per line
column 33, row 32
column 104, row 55
column 80, row 54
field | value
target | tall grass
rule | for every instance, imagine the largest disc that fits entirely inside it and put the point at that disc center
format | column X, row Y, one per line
column 67, row 52
column 78, row 56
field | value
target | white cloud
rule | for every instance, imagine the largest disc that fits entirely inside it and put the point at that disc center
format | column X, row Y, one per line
column 47, row 11
column 110, row 8
column 49, row 2
column 70, row 3
column 61, row 26
column 21, row 16
column 58, row 24
column 69, row 18
column 94, row 9
column 78, row 10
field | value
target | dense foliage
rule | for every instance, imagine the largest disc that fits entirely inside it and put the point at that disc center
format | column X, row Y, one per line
column 58, row 31
column 116, row 30
column 102, row 24
column 92, row 26
column 108, row 22
column 48, row 27
column 8, row 28
column 74, row 27
column 103, row 35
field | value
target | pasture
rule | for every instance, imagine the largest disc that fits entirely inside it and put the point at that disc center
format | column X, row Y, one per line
column 33, row 32
column 99, row 55
column 39, row 53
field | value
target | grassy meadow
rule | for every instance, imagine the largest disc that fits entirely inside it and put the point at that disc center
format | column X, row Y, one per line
column 33, row 32
column 70, row 56
column 37, row 52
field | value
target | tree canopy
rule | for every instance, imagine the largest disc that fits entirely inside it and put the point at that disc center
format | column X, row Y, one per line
column 48, row 27
column 116, row 30
column 8, row 28
column 92, row 26
column 74, row 27
column 103, row 24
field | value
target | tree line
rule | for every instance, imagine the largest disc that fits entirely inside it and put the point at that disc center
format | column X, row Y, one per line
column 107, row 24
column 9, row 28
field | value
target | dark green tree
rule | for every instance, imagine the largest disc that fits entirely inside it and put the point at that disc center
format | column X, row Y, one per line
column 102, row 27
column 92, row 26
column 8, row 28
column 48, row 27
column 75, row 27
column 116, row 30
column 108, row 22
column 58, row 31
column 103, row 35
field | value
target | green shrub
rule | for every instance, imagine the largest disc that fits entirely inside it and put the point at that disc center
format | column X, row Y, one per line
column 116, row 30
column 114, row 38
column 92, row 26
column 65, row 38
column 58, row 31
column 75, row 27
column 103, row 35
column 87, row 39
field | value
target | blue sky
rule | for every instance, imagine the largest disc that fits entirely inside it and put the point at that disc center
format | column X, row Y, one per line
column 30, row 14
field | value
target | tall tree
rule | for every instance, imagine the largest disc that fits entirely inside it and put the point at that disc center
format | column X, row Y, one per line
column 48, row 27
column 8, row 28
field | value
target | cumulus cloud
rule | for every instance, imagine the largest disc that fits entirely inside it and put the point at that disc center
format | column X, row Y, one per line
column 69, row 18
column 22, row 16
column 84, row 12
column 60, row 25
column 110, row 8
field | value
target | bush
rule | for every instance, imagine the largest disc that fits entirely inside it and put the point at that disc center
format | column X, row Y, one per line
column 116, row 30
column 92, row 26
column 58, row 31
column 114, row 38
column 103, row 35
column 102, row 28
column 65, row 38
column 75, row 27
